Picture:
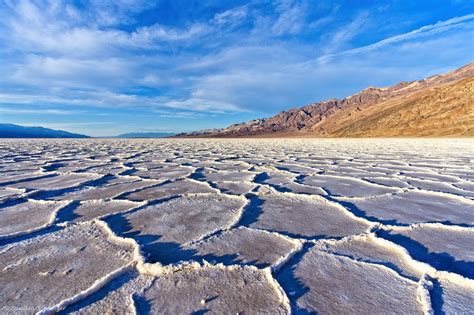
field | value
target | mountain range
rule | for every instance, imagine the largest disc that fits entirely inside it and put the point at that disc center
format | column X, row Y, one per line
column 440, row 105
column 16, row 131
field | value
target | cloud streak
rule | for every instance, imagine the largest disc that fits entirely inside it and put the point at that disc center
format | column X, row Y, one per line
column 441, row 26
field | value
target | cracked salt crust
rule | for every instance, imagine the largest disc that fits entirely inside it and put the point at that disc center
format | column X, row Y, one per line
column 256, row 226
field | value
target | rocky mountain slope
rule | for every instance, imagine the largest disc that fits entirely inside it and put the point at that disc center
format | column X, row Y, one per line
column 441, row 105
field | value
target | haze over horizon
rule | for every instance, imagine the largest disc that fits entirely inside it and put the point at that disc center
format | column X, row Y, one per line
column 109, row 67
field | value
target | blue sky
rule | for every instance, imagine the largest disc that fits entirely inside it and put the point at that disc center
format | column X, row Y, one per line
column 108, row 67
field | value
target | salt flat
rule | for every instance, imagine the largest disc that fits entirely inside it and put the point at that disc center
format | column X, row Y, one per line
column 237, row 226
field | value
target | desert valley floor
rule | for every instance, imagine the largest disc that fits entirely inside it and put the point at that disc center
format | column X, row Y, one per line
column 237, row 226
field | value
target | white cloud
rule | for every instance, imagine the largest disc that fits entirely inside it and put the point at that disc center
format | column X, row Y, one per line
column 291, row 17
column 341, row 36
column 439, row 27
column 231, row 17
column 202, row 104
column 15, row 111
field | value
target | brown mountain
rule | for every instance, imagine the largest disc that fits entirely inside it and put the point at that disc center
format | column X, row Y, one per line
column 441, row 105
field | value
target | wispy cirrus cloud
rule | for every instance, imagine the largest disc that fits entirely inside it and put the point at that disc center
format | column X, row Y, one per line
column 232, row 16
column 431, row 29
column 210, row 63
column 39, row 111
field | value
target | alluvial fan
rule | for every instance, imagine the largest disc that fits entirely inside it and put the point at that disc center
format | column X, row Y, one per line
column 237, row 226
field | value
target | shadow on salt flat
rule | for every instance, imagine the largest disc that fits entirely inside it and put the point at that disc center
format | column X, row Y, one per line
column 100, row 294
column 293, row 286
column 155, row 250
column 252, row 211
column 142, row 305
column 441, row 261
column 362, row 214
column 58, row 193
column 31, row 235
column 436, row 296
column 262, row 178
column 67, row 213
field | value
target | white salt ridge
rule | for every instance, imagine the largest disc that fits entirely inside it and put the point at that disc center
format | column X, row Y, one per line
column 442, row 187
column 457, row 294
column 57, row 182
column 166, row 190
column 331, row 282
column 306, row 216
column 97, row 285
column 107, row 192
column 346, row 186
column 453, row 241
column 11, row 193
column 235, row 188
column 93, row 209
column 249, row 246
column 375, row 250
column 165, row 173
column 229, row 176
column 187, row 218
column 27, row 217
column 416, row 206
column 72, row 258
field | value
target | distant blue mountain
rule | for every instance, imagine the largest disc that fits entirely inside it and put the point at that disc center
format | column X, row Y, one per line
column 145, row 135
column 15, row 131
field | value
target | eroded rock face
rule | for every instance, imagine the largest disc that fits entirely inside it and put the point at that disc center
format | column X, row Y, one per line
column 230, row 226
